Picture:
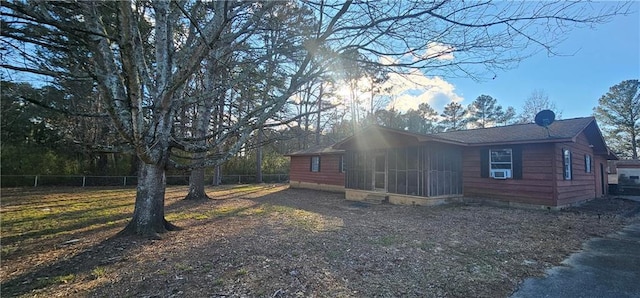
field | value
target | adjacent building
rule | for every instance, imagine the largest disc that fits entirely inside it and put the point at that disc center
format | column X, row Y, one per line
column 320, row 168
column 624, row 177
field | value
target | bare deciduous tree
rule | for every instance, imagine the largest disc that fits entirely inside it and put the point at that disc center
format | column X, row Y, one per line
column 536, row 102
column 140, row 54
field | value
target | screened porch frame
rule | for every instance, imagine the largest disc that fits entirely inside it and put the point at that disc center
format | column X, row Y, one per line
column 428, row 170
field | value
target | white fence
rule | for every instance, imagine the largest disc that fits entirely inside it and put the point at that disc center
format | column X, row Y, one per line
column 83, row 181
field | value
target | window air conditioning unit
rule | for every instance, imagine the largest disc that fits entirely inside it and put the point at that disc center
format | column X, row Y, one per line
column 501, row 174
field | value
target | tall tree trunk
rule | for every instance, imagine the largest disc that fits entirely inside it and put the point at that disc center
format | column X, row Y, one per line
column 318, row 130
column 634, row 144
column 102, row 164
column 217, row 175
column 196, row 185
column 203, row 121
column 114, row 158
column 305, row 134
column 219, row 118
column 259, row 157
column 148, row 214
column 354, row 116
column 134, row 165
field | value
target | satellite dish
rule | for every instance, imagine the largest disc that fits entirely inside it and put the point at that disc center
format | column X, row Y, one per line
column 544, row 118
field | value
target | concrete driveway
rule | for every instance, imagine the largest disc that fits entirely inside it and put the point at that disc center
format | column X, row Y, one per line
column 606, row 267
column 632, row 198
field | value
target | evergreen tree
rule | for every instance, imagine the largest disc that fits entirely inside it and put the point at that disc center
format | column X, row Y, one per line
column 507, row 116
column 484, row 112
column 619, row 111
column 423, row 120
column 454, row 117
column 391, row 118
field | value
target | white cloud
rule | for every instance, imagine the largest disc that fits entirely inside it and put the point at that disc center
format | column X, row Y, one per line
column 296, row 98
column 440, row 51
column 387, row 60
column 409, row 91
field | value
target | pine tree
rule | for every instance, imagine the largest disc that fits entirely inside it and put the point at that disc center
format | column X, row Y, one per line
column 507, row 116
column 484, row 112
column 619, row 111
column 454, row 117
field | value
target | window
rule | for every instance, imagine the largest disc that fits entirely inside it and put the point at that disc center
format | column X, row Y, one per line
column 587, row 163
column 566, row 161
column 315, row 163
column 341, row 166
column 500, row 163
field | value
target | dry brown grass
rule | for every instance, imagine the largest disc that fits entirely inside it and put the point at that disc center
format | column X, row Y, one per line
column 271, row 241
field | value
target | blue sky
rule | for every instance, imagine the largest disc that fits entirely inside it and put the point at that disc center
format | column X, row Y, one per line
column 604, row 56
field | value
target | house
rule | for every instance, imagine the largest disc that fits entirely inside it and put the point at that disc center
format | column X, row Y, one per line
column 624, row 177
column 525, row 164
column 320, row 168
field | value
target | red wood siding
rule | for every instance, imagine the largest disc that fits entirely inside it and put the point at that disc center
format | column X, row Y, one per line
column 542, row 180
column 300, row 170
column 601, row 190
column 582, row 185
column 535, row 187
column 628, row 166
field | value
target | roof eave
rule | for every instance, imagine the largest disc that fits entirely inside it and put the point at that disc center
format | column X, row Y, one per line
column 297, row 153
column 611, row 155
column 406, row 134
column 520, row 142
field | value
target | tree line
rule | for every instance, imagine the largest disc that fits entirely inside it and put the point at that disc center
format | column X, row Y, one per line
column 190, row 85
column 40, row 140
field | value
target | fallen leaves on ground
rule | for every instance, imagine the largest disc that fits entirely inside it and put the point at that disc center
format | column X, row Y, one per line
column 273, row 241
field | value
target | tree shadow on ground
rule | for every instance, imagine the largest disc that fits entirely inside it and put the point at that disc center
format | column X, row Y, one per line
column 104, row 253
column 109, row 251
column 292, row 242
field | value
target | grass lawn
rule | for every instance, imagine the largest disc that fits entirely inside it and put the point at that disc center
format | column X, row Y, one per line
column 269, row 240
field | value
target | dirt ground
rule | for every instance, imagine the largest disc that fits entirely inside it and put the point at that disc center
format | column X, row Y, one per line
column 281, row 242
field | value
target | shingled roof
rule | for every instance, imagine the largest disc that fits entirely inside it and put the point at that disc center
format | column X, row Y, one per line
column 519, row 133
column 559, row 131
column 316, row 150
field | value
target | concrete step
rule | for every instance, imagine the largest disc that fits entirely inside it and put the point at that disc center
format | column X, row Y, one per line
column 376, row 198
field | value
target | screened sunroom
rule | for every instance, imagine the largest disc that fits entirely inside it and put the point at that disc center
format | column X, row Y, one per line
column 426, row 170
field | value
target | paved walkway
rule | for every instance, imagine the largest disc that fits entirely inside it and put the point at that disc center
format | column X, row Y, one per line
column 607, row 267
column 633, row 198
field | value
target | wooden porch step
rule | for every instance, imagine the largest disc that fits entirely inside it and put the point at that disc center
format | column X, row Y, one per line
column 377, row 198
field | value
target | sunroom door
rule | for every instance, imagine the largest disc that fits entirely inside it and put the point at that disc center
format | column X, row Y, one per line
column 380, row 172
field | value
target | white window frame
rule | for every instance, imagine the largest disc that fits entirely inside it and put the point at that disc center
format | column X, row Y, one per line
column 587, row 163
column 315, row 163
column 566, row 163
column 342, row 169
column 495, row 165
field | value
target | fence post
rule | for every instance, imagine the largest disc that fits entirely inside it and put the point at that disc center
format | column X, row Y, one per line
column 124, row 183
column 84, row 180
column 35, row 183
